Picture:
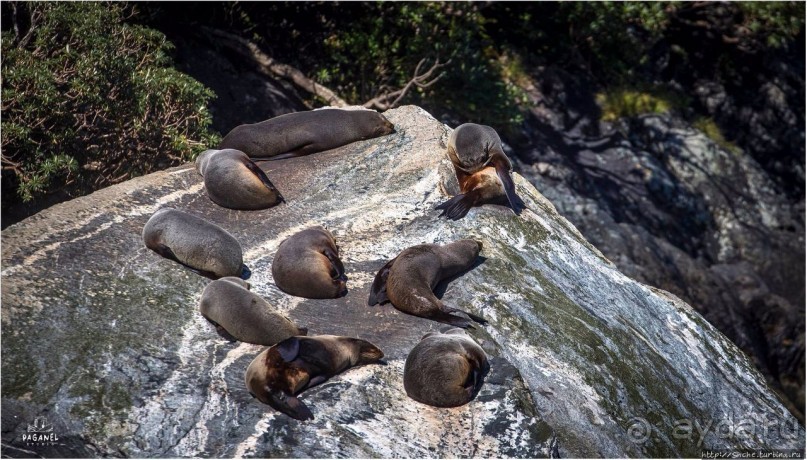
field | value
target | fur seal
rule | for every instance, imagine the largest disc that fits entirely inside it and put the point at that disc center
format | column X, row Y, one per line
column 307, row 265
column 201, row 246
column 233, row 181
column 241, row 315
column 408, row 280
column 296, row 364
column 302, row 133
column 445, row 369
column 483, row 170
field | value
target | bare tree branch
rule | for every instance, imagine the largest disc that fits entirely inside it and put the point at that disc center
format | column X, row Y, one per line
column 420, row 80
column 272, row 68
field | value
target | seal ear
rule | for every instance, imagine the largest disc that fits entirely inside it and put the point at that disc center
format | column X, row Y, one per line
column 502, row 165
column 378, row 291
column 289, row 349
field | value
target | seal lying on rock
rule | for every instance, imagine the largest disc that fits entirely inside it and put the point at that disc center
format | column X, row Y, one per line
column 239, row 314
column 482, row 168
column 303, row 133
column 445, row 369
column 307, row 265
column 408, row 280
column 296, row 364
column 233, row 181
column 199, row 245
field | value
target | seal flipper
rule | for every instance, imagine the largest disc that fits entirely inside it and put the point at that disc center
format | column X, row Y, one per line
column 456, row 208
column 502, row 166
column 288, row 349
column 315, row 381
column 378, row 291
column 448, row 309
column 336, row 264
column 166, row 252
column 263, row 178
column 220, row 330
column 289, row 405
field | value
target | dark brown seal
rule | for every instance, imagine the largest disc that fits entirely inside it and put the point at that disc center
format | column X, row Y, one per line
column 296, row 364
column 197, row 244
column 408, row 280
column 445, row 369
column 483, row 170
column 303, row 133
column 234, row 181
column 307, row 265
column 239, row 314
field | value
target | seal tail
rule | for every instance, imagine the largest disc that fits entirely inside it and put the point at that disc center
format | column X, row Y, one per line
column 456, row 208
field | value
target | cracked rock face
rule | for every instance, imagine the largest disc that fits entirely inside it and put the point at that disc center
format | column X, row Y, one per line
column 103, row 339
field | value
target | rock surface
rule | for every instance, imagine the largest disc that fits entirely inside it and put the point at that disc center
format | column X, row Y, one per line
column 673, row 209
column 102, row 337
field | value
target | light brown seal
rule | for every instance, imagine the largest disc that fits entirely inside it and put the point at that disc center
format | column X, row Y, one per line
column 296, row 364
column 239, row 314
column 199, row 245
column 307, row 265
column 303, row 133
column 234, row 181
column 445, row 369
column 408, row 280
column 483, row 170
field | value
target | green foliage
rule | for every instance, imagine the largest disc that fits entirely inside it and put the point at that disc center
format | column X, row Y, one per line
column 708, row 127
column 89, row 100
column 628, row 102
column 775, row 22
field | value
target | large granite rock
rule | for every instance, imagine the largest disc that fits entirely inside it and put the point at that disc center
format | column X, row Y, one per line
column 102, row 342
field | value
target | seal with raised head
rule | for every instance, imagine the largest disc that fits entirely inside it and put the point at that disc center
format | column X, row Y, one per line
column 239, row 314
column 483, row 170
column 197, row 244
column 445, row 369
column 408, row 281
column 307, row 265
column 234, row 181
column 277, row 375
column 302, row 133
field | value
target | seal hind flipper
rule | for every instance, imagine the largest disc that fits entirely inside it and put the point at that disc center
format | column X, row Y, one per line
column 263, row 178
column 448, row 309
column 166, row 252
column 289, row 405
column 378, row 291
column 456, row 208
column 288, row 349
column 502, row 166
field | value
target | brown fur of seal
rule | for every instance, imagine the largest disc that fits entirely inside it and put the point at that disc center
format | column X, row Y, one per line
column 296, row 364
column 234, row 181
column 408, row 280
column 483, row 171
column 445, row 369
column 197, row 244
column 239, row 314
column 307, row 265
column 303, row 133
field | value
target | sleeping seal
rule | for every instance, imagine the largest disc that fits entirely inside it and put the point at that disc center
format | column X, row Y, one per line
column 296, row 364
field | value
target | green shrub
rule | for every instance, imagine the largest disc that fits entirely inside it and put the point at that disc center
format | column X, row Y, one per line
column 709, row 128
column 89, row 101
column 625, row 103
